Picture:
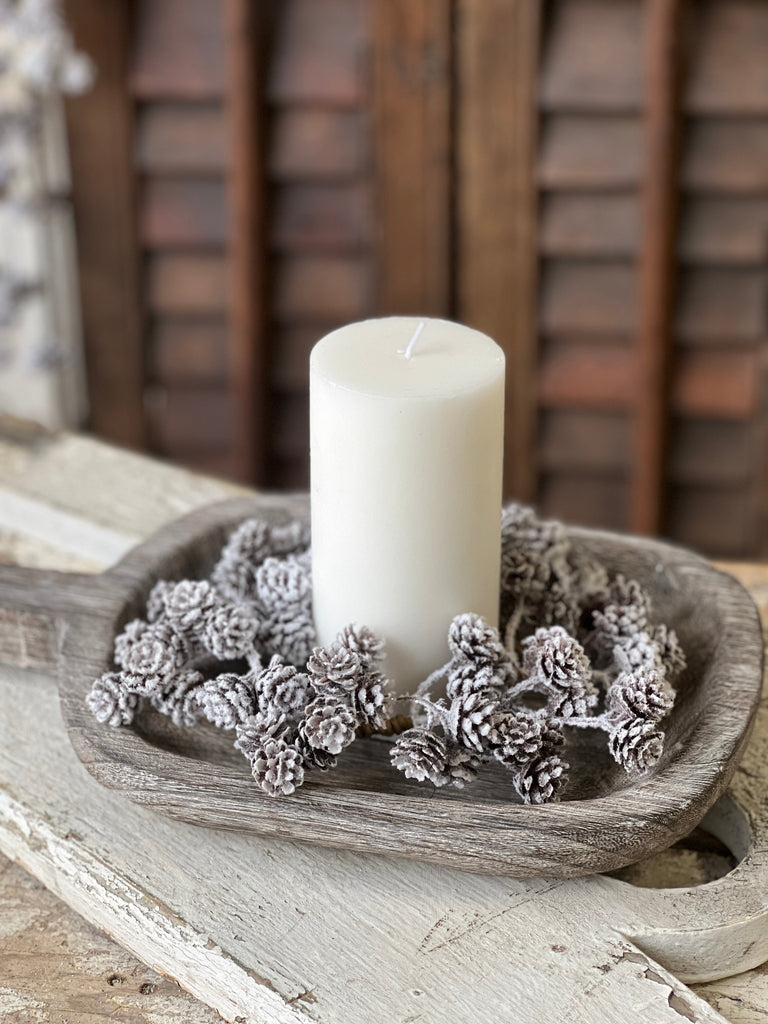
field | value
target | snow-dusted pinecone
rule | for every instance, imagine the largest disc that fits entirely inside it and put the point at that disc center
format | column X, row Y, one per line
column 228, row 700
column 151, row 655
column 282, row 583
column 253, row 733
column 557, row 662
column 370, row 701
column 473, row 719
column 329, row 725
column 277, row 768
column 471, row 639
column 156, row 600
column 639, row 694
column 420, row 754
column 559, row 604
column 280, row 687
column 179, row 700
column 289, row 632
column 670, row 652
column 230, row 631
column 639, row 650
column 363, row 642
column 636, row 745
column 521, row 737
column 289, row 538
column 313, row 757
column 189, row 603
column 245, row 550
column 110, row 702
column 334, row 666
column 628, row 612
column 590, row 580
column 460, row 766
column 527, row 544
column 463, row 677
column 541, row 781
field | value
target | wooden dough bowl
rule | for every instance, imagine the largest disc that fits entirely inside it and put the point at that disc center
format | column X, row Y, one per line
column 606, row 819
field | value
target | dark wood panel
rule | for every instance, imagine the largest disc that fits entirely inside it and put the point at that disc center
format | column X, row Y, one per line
column 179, row 212
column 590, row 298
column 189, row 351
column 599, row 375
column 331, row 289
column 583, row 152
column 178, row 49
column 182, row 284
column 223, row 464
column 319, row 53
column 592, row 58
column 589, row 225
column 291, row 346
column 291, row 476
column 572, row 441
column 412, row 136
column 310, row 145
column 716, row 521
column 728, row 72
column 100, row 127
column 497, row 73
column 587, row 500
column 290, row 427
column 725, row 306
column 724, row 230
column 712, row 451
column 192, row 419
column 181, row 138
column 726, row 154
column 321, row 218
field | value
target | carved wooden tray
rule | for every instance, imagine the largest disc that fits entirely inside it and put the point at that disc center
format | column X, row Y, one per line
column 605, row 820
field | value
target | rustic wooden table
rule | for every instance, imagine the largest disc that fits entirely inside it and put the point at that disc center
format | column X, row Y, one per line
column 69, row 503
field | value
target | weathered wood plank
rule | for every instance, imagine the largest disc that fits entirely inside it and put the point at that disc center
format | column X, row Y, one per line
column 185, row 419
column 188, row 351
column 497, row 131
column 181, row 138
column 720, row 521
column 317, row 145
column 321, row 218
column 181, row 284
column 589, row 153
column 726, row 154
column 585, row 499
column 724, row 231
column 653, row 339
column 103, row 195
column 589, row 225
column 728, row 72
column 319, row 54
column 592, row 58
column 317, row 289
column 178, row 50
column 182, row 213
column 411, row 112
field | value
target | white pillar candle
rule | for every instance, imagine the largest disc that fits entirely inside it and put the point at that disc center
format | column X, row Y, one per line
column 406, row 441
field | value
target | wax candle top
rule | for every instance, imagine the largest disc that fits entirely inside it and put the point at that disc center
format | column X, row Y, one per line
column 370, row 357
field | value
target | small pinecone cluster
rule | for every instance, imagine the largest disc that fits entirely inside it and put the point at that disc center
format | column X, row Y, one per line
column 238, row 650
column 581, row 648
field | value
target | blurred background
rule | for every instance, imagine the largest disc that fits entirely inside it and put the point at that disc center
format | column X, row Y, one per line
column 585, row 180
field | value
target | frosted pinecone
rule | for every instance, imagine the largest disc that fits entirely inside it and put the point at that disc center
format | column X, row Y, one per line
column 228, row 700
column 559, row 604
column 151, row 655
column 528, row 543
column 252, row 733
column 420, row 754
column 110, row 702
column 370, row 701
column 521, row 737
column 590, row 580
column 245, row 550
column 627, row 612
column 557, row 663
column 636, row 745
column 189, row 603
column 329, row 725
column 277, row 768
column 541, row 781
column 461, row 766
column 639, row 650
column 473, row 718
column 463, row 678
column 471, row 639
column 289, row 538
column 289, row 632
column 313, row 757
column 670, row 652
column 281, row 583
column 639, row 694
column 364, row 643
column 230, row 631
column 156, row 600
column 280, row 687
column 179, row 700
column 335, row 664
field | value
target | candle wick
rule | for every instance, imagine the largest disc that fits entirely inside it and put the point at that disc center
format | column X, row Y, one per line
column 414, row 339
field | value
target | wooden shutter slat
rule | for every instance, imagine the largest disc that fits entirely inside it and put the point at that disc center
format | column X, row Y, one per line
column 182, row 213
column 178, row 50
column 181, row 138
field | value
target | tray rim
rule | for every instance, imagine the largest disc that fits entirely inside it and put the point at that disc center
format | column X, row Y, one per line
column 562, row 839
